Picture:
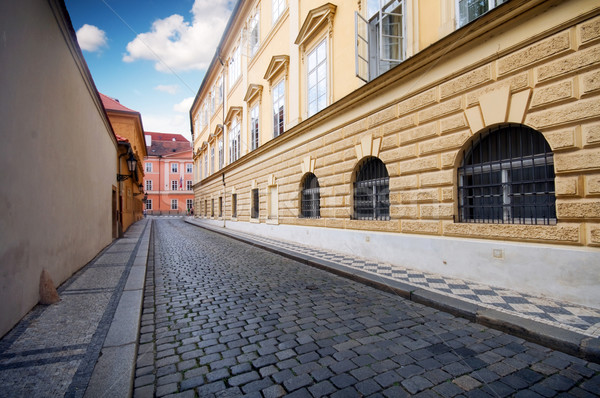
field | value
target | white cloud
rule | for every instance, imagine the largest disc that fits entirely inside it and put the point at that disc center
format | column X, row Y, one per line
column 176, row 44
column 91, row 38
column 184, row 106
column 171, row 89
column 167, row 123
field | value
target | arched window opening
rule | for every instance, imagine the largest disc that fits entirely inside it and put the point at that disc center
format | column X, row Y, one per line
column 507, row 177
column 371, row 191
column 311, row 197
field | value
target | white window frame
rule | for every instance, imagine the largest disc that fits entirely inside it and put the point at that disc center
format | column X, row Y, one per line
column 235, row 70
column 278, row 91
column 148, row 204
column 188, row 185
column 206, row 164
column 255, row 126
column 460, row 21
column 254, row 34
column 148, row 167
column 174, row 167
column 174, row 204
column 148, row 185
column 278, row 6
column 212, row 159
column 234, row 140
column 174, row 185
column 189, row 168
column 189, row 203
column 221, row 152
column 318, row 73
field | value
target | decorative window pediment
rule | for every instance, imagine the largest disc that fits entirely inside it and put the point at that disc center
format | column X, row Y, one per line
column 218, row 131
column 254, row 90
column 315, row 20
column 277, row 64
column 232, row 113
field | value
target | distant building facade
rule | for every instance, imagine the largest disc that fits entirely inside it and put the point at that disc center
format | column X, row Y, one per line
column 127, row 124
column 168, row 174
column 58, row 184
column 455, row 137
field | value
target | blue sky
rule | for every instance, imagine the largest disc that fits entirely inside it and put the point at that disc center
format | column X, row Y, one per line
column 150, row 54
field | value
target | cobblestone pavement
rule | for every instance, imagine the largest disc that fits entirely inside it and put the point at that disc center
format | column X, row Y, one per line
column 222, row 318
column 52, row 351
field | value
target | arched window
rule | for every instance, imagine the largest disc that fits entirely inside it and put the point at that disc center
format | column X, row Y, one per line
column 371, row 191
column 311, row 197
column 507, row 176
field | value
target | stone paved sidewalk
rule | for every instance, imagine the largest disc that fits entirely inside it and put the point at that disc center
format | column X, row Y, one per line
column 53, row 350
column 583, row 321
column 222, row 318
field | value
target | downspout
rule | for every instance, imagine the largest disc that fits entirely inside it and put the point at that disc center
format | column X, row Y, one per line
column 223, row 111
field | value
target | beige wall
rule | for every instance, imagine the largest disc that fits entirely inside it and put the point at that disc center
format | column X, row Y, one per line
column 540, row 69
column 57, row 156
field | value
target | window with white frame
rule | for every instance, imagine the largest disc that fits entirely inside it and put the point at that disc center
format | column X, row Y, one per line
column 206, row 164
column 254, row 131
column 205, row 113
column 148, row 185
column 470, row 10
column 254, row 35
column 317, row 78
column 148, row 204
column 174, row 167
column 380, row 38
column 189, row 203
column 278, row 108
column 174, row 185
column 220, row 91
column 174, row 204
column 212, row 159
column 278, row 7
column 212, row 101
column 188, row 185
column 188, row 168
column 221, row 153
column 148, row 167
column 234, row 141
column 234, row 67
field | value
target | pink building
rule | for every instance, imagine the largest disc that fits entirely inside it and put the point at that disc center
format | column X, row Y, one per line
column 168, row 174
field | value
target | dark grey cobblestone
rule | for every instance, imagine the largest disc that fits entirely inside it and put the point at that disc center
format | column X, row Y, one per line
column 225, row 319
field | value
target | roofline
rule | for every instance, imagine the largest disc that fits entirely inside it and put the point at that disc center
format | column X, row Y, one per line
column 61, row 14
column 234, row 14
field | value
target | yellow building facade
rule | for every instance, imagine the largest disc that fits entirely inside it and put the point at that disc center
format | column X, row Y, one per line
column 455, row 137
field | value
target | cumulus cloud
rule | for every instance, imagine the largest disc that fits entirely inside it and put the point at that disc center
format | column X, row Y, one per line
column 175, row 44
column 184, row 106
column 171, row 89
column 91, row 38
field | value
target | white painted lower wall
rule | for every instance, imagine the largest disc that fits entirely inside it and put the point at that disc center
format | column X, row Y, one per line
column 559, row 272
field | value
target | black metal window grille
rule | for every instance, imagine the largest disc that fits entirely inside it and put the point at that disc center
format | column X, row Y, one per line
column 205, row 207
column 311, row 197
column 254, row 213
column 234, row 205
column 507, row 177
column 371, row 191
column 220, row 206
column 212, row 207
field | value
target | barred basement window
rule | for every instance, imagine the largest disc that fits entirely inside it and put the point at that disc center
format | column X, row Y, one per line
column 254, row 213
column 311, row 197
column 371, row 191
column 507, row 177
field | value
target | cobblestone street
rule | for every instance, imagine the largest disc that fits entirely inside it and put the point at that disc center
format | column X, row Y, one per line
column 223, row 318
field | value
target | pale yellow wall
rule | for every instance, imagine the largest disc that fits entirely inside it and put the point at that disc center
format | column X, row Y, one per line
column 54, row 214
column 422, row 115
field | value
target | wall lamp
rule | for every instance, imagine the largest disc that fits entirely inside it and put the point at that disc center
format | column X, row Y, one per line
column 131, row 165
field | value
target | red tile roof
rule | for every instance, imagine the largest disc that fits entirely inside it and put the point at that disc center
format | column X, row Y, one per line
column 166, row 136
column 114, row 104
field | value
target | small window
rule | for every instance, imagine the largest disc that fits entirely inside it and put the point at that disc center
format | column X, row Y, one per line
column 189, row 203
column 220, row 206
column 188, row 185
column 311, row 197
column 174, row 204
column 254, row 131
column 507, row 176
column 278, row 108
column 371, row 191
column 234, row 205
column 470, row 10
column 148, row 185
column 174, row 168
column 174, row 185
column 148, row 204
column 189, row 168
column 254, row 205
column 148, row 167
